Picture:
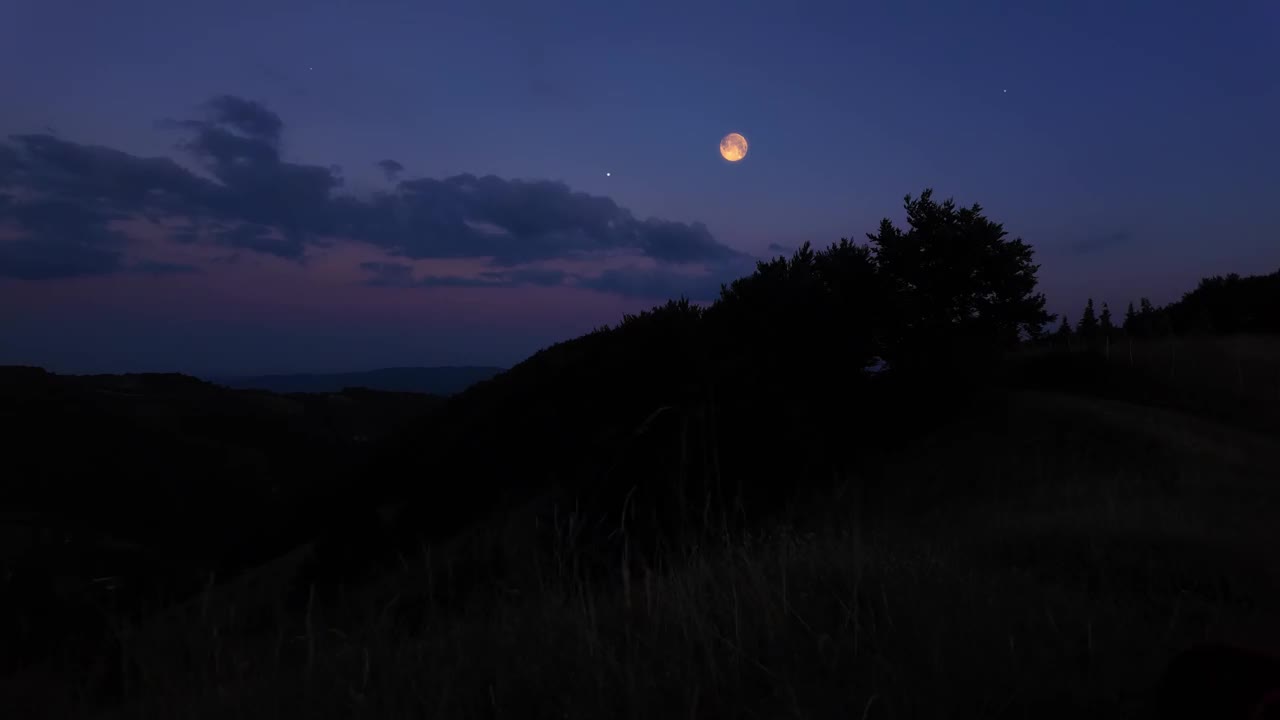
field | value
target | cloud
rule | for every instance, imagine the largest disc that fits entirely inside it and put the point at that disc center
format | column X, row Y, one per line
column 651, row 283
column 645, row 279
column 40, row 260
column 658, row 283
column 682, row 243
column 518, row 221
column 385, row 274
column 779, row 248
column 8, row 162
column 541, row 277
column 1099, row 243
column 155, row 267
column 243, row 194
column 262, row 239
column 60, row 239
column 91, row 175
column 391, row 169
column 247, row 117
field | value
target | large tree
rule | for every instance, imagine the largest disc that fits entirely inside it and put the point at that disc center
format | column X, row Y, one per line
column 807, row 321
column 959, row 290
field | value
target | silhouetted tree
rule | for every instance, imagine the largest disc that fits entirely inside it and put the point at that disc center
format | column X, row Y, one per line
column 959, row 291
column 769, row 381
column 1105, row 325
column 1153, row 321
column 796, row 327
column 1130, row 321
column 1229, row 304
column 1146, row 324
column 1088, row 327
column 1063, row 335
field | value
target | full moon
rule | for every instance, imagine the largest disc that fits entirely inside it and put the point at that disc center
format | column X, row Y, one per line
column 733, row 147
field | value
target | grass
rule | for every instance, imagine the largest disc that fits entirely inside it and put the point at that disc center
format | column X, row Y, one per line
column 1234, row 378
column 1045, row 563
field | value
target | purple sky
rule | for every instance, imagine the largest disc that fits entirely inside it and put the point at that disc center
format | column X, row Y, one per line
column 200, row 187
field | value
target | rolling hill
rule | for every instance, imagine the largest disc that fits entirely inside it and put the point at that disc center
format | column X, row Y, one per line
column 430, row 380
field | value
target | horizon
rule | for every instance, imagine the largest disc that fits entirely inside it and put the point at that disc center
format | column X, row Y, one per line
column 366, row 188
column 254, row 376
column 1117, row 310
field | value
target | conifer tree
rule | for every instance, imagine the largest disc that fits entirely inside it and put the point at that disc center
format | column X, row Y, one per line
column 1088, row 327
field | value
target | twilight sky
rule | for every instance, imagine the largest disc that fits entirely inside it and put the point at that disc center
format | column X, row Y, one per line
column 227, row 187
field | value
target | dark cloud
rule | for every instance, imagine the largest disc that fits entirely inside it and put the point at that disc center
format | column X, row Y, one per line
column 60, row 239
column 152, row 267
column 678, row 242
column 66, row 222
column 224, row 150
column 39, row 260
column 262, row 239
column 391, row 169
column 384, row 274
column 654, row 283
column 247, row 117
column 518, row 221
column 8, row 163
column 778, row 248
column 248, row 197
column 400, row 275
column 1102, row 242
column 91, row 175
column 190, row 233
column 540, row 277
column 657, row 284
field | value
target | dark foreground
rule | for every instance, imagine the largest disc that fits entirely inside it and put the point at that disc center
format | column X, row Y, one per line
column 1047, row 561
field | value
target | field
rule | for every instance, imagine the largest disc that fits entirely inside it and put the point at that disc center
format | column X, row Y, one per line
column 1044, row 559
column 1231, row 377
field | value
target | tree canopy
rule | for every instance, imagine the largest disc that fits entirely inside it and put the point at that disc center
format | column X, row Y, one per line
column 958, row 290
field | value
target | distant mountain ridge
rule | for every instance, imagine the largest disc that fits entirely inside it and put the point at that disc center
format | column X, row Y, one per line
column 444, row 380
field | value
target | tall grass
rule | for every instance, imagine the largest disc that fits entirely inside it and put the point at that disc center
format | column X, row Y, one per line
column 1047, row 566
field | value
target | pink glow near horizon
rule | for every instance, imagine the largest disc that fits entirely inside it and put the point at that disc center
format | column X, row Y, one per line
column 327, row 296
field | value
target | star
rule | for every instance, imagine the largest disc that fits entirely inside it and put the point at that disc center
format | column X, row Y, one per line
column 608, row 174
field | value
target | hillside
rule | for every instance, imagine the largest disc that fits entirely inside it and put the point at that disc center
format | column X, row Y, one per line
column 156, row 481
column 703, row 511
column 428, row 380
column 1047, row 555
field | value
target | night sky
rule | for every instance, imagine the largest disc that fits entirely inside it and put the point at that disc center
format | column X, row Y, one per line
column 243, row 187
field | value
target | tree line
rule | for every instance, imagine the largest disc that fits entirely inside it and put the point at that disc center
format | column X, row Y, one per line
column 1219, row 305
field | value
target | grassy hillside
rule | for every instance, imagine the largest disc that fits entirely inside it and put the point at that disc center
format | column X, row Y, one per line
column 701, row 512
column 1234, row 378
column 1045, row 559
column 137, row 489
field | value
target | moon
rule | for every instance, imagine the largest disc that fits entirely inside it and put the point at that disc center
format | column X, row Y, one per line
column 733, row 147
